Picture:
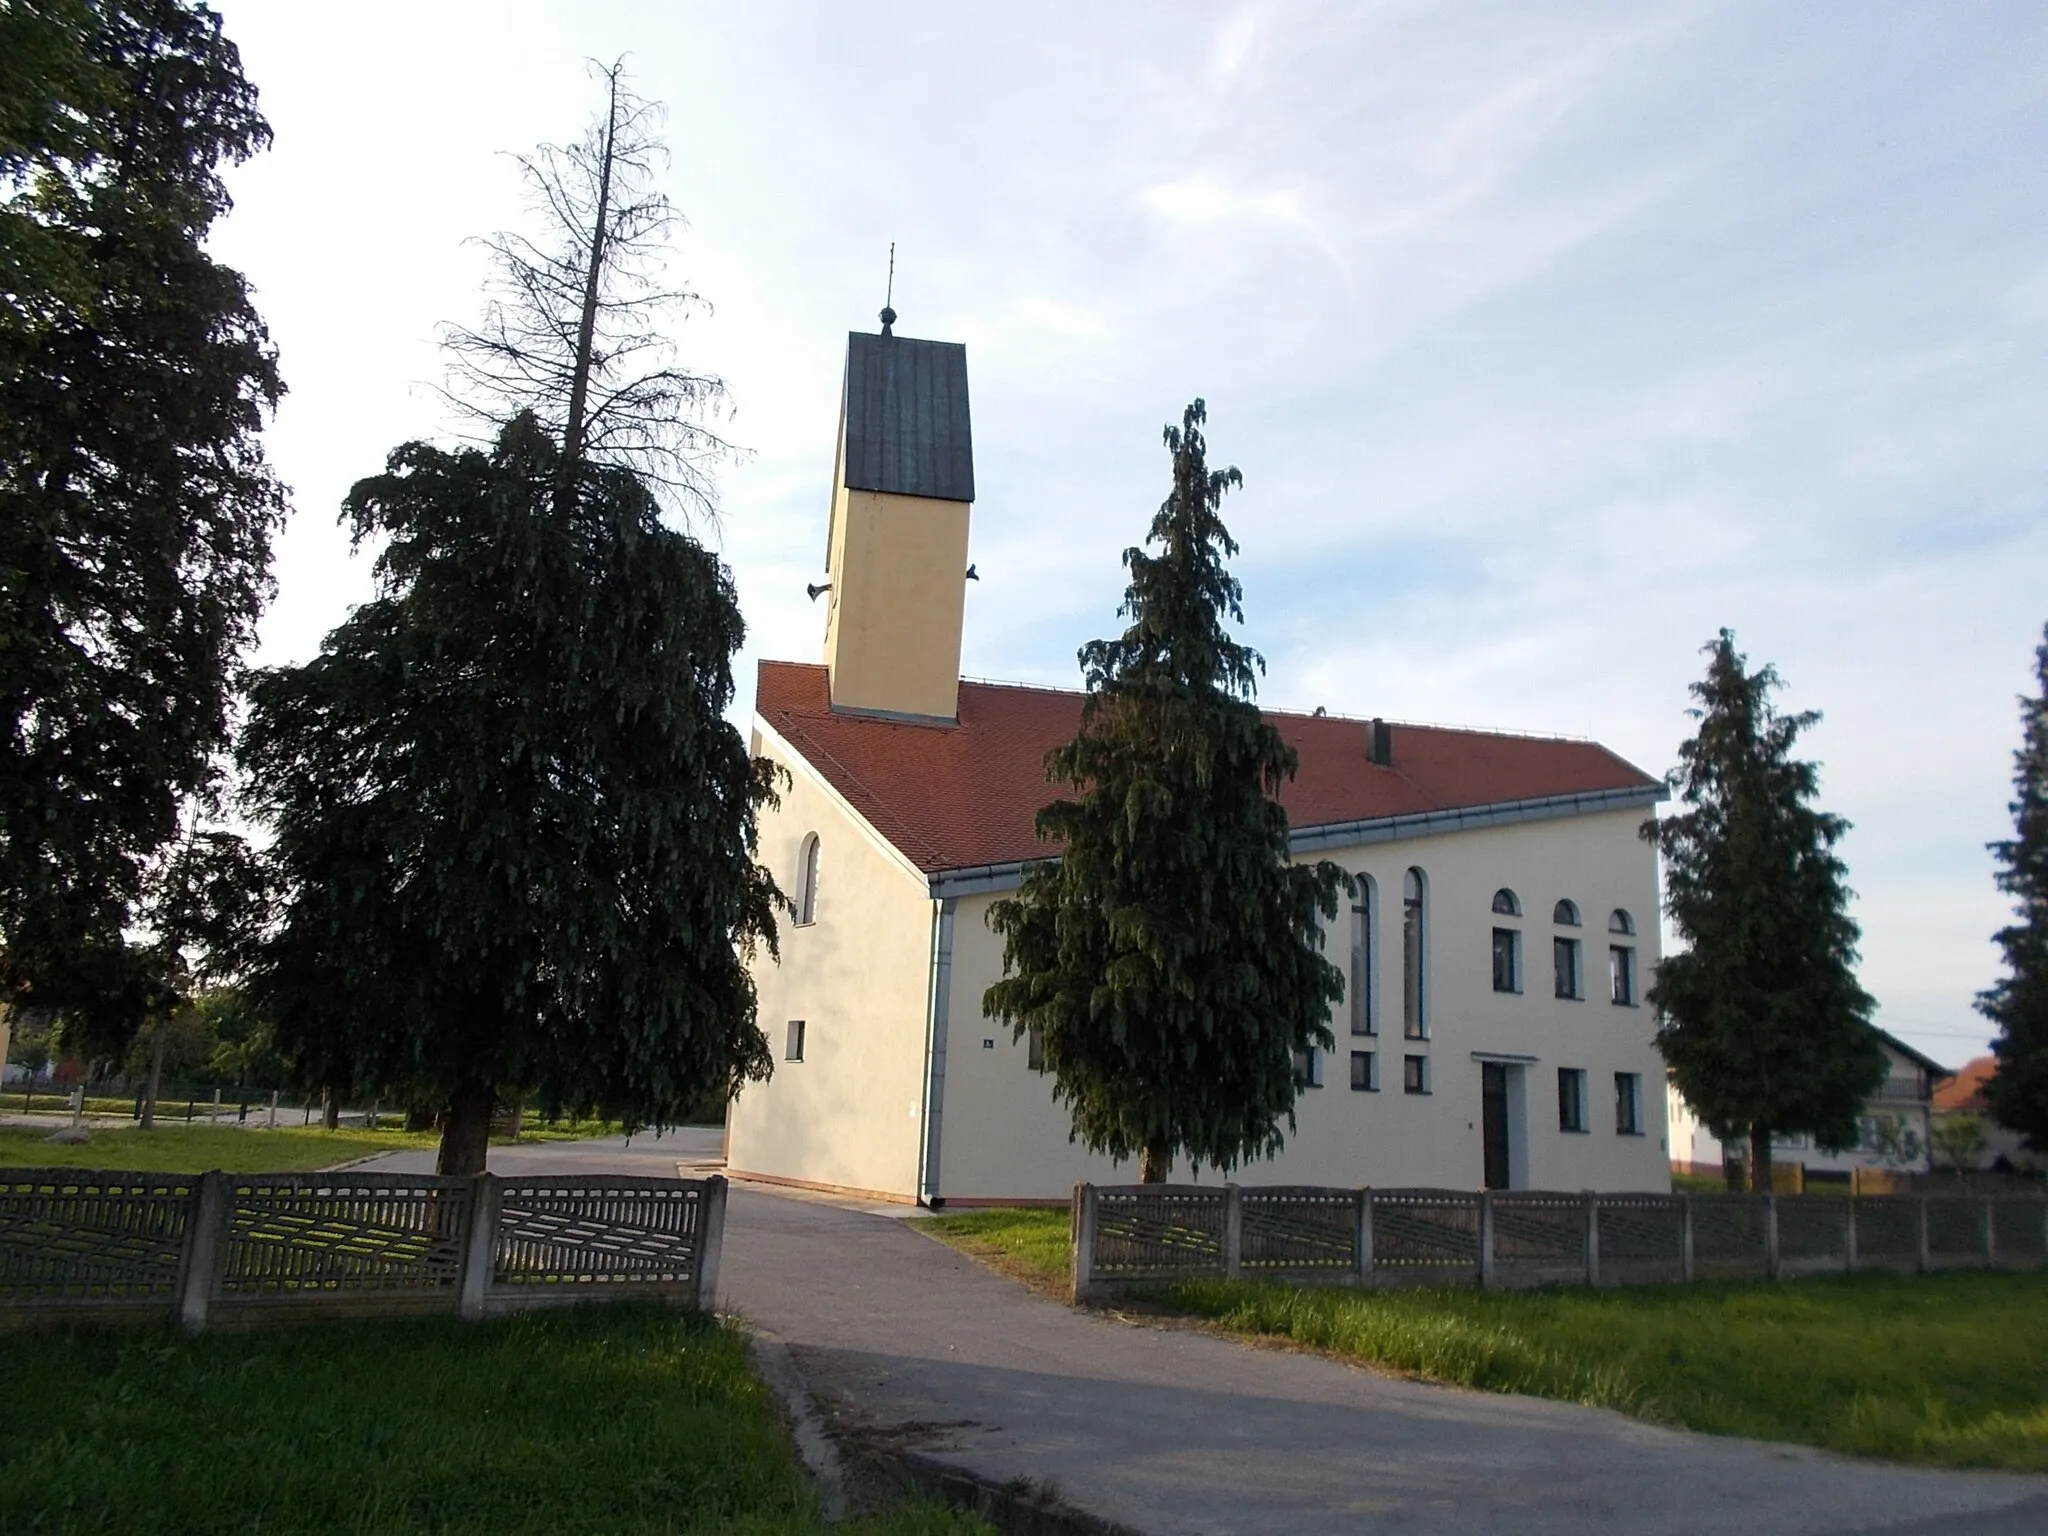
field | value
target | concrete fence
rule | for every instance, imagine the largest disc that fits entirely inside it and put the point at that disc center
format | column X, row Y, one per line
column 240, row 1250
column 1148, row 1234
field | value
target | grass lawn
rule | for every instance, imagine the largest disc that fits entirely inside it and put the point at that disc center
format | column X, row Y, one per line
column 196, row 1148
column 1947, row 1369
column 615, row 1419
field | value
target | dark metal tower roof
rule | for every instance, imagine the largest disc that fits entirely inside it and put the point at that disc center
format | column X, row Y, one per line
column 907, row 427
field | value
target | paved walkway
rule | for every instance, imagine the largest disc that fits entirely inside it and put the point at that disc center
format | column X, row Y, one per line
column 1171, row 1431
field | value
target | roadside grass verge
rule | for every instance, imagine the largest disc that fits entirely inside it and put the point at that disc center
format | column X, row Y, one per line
column 622, row 1419
column 1027, row 1243
column 1946, row 1369
column 196, row 1148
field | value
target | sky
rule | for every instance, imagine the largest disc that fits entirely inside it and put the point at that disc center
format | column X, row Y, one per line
column 1549, row 339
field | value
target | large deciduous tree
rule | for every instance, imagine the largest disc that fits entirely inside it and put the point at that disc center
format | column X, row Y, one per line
column 1761, row 1019
column 136, row 508
column 2018, row 1003
column 1171, row 958
column 514, row 828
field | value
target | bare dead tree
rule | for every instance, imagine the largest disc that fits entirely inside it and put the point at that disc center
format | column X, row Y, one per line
column 579, row 321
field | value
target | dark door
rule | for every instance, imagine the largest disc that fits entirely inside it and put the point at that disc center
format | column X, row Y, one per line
column 1493, row 1093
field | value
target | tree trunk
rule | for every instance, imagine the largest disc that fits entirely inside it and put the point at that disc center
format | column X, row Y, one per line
column 330, row 1110
column 156, row 1077
column 586, row 328
column 1759, row 1160
column 419, row 1117
column 466, row 1131
column 1152, row 1166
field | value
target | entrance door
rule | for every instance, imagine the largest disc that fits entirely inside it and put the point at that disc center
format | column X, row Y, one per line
column 1493, row 1094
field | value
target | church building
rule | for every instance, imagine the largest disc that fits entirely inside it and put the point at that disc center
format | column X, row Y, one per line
column 1463, row 1059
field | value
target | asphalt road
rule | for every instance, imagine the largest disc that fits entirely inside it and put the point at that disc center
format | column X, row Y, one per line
column 1168, row 1431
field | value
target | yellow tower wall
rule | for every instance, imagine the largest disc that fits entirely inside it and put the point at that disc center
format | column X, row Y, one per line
column 898, row 568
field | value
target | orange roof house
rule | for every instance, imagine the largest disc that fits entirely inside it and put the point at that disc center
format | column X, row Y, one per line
column 1493, row 1030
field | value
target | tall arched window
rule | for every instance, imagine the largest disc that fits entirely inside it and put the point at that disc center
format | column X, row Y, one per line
column 807, row 881
column 1414, row 955
column 1507, row 943
column 1621, row 960
column 1363, row 1020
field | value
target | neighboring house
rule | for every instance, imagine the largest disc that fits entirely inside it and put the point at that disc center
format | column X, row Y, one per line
column 1963, row 1094
column 1891, row 1131
column 1492, row 1033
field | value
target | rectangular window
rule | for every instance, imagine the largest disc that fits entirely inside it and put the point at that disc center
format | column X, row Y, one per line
column 1308, row 1068
column 1034, row 1049
column 1415, row 1074
column 1571, row 1099
column 794, row 1050
column 1365, row 1072
column 1507, row 960
column 1621, row 973
column 1628, row 1104
column 1362, row 1020
column 1564, row 960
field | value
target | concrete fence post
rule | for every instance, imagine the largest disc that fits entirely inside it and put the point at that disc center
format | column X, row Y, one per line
column 1849, row 1238
column 1361, row 1240
column 1084, row 1242
column 479, row 1242
column 1771, row 1235
column 710, row 1241
column 1233, row 1231
column 206, row 1234
column 1685, row 1259
column 1487, row 1275
column 1592, row 1219
column 1923, row 1252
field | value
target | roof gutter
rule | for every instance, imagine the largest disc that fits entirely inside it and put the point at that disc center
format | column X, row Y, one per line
column 982, row 879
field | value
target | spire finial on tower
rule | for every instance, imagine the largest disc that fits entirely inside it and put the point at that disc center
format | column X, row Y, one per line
column 888, row 314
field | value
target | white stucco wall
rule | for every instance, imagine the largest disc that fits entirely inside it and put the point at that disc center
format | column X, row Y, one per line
column 850, row 1114
column 1005, row 1138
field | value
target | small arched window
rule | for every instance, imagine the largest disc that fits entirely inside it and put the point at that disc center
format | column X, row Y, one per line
column 1565, row 914
column 1505, row 904
column 807, row 881
column 1621, row 922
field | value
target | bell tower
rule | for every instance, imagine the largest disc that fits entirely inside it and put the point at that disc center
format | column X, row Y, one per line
column 896, row 552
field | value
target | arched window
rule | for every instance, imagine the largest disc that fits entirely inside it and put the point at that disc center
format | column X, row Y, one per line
column 1507, row 944
column 807, row 881
column 1621, row 961
column 1565, row 914
column 1414, row 956
column 1364, row 1020
column 1621, row 922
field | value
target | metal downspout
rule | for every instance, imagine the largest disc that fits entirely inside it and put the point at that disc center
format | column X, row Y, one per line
column 935, row 1050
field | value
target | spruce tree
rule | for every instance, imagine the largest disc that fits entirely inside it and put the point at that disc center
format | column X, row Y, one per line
column 1760, row 1017
column 513, row 828
column 1170, row 959
column 136, row 508
column 2018, row 1003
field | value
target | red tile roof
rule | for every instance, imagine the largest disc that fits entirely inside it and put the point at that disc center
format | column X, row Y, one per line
column 965, row 795
column 1964, row 1092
